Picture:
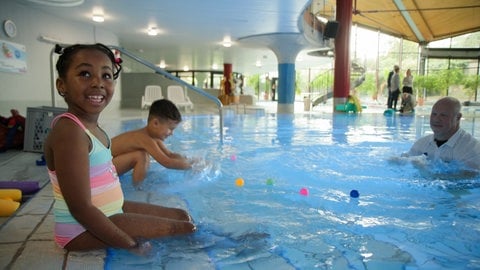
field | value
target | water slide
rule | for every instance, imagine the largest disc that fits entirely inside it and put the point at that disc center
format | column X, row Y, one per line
column 323, row 98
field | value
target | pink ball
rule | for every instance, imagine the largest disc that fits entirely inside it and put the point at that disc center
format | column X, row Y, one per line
column 304, row 191
column 233, row 157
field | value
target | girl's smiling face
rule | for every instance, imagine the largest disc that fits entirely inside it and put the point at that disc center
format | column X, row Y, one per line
column 88, row 85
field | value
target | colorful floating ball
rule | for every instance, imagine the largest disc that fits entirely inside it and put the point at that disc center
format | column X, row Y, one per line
column 389, row 112
column 239, row 182
column 269, row 181
column 233, row 157
column 304, row 191
column 354, row 193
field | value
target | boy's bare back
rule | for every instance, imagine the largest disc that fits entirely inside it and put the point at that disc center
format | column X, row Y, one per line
column 135, row 140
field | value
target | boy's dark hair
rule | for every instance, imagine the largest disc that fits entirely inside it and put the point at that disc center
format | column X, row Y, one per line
column 164, row 109
column 66, row 54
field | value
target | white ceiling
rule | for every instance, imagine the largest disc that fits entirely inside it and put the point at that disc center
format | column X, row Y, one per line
column 192, row 31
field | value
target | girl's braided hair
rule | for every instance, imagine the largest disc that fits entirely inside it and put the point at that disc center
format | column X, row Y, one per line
column 66, row 54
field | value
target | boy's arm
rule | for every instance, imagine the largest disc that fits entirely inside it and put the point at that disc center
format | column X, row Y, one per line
column 167, row 158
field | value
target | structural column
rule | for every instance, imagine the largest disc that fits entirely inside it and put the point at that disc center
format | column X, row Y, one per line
column 286, row 88
column 227, row 73
column 286, row 51
column 341, row 82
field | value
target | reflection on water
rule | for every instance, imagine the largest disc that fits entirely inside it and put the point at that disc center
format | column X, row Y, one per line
column 404, row 217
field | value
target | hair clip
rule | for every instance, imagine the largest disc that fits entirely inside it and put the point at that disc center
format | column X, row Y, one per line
column 59, row 49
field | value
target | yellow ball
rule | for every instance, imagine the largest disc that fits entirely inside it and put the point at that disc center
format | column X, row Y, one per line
column 239, row 182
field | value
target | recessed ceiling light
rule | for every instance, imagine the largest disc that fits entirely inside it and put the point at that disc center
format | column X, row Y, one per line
column 227, row 42
column 185, row 68
column 162, row 64
column 98, row 18
column 322, row 19
column 258, row 63
column 152, row 31
column 214, row 66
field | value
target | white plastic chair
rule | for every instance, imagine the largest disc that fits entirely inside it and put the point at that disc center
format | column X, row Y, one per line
column 178, row 96
column 152, row 93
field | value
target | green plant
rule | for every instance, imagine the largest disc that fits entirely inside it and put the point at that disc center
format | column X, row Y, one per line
column 471, row 84
column 254, row 82
column 368, row 86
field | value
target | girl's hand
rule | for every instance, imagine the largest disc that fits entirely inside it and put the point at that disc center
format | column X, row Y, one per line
column 143, row 248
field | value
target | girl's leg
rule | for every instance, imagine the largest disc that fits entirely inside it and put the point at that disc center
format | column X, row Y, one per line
column 138, row 226
column 156, row 210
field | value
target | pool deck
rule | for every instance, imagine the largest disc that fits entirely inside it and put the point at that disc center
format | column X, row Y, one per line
column 26, row 238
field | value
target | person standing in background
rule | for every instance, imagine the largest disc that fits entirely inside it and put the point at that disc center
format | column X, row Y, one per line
column 389, row 78
column 408, row 82
column 394, row 88
column 274, row 88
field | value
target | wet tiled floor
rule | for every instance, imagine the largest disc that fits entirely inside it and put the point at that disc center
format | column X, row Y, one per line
column 26, row 237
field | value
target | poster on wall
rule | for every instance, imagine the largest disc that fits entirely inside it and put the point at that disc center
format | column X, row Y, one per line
column 13, row 57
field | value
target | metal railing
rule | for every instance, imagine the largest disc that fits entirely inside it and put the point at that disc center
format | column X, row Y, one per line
column 157, row 70
column 161, row 71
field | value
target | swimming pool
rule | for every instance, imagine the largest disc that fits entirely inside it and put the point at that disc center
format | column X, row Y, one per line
column 404, row 218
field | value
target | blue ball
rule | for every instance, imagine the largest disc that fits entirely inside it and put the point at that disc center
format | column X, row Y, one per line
column 354, row 193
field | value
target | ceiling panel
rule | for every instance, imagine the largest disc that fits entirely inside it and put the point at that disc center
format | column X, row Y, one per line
column 191, row 31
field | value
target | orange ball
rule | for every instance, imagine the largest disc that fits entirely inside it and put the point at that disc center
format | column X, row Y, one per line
column 239, row 182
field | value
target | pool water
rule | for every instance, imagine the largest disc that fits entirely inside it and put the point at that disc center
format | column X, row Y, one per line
column 403, row 218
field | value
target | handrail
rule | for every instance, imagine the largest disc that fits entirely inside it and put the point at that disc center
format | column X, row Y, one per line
column 176, row 79
column 157, row 70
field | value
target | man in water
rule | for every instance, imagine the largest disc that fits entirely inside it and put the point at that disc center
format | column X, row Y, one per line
column 448, row 142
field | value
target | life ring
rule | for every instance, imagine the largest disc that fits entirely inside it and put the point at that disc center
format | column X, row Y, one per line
column 8, row 207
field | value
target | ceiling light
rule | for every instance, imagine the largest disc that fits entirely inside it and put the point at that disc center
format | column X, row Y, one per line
column 162, row 64
column 215, row 66
column 98, row 18
column 322, row 19
column 185, row 68
column 258, row 63
column 227, row 42
column 152, row 31
column 56, row 3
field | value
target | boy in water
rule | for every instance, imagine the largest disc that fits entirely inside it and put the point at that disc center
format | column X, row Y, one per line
column 132, row 149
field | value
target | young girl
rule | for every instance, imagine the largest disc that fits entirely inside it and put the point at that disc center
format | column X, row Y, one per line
column 90, row 211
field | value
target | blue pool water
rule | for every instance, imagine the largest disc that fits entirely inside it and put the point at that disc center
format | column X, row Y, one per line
column 403, row 218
